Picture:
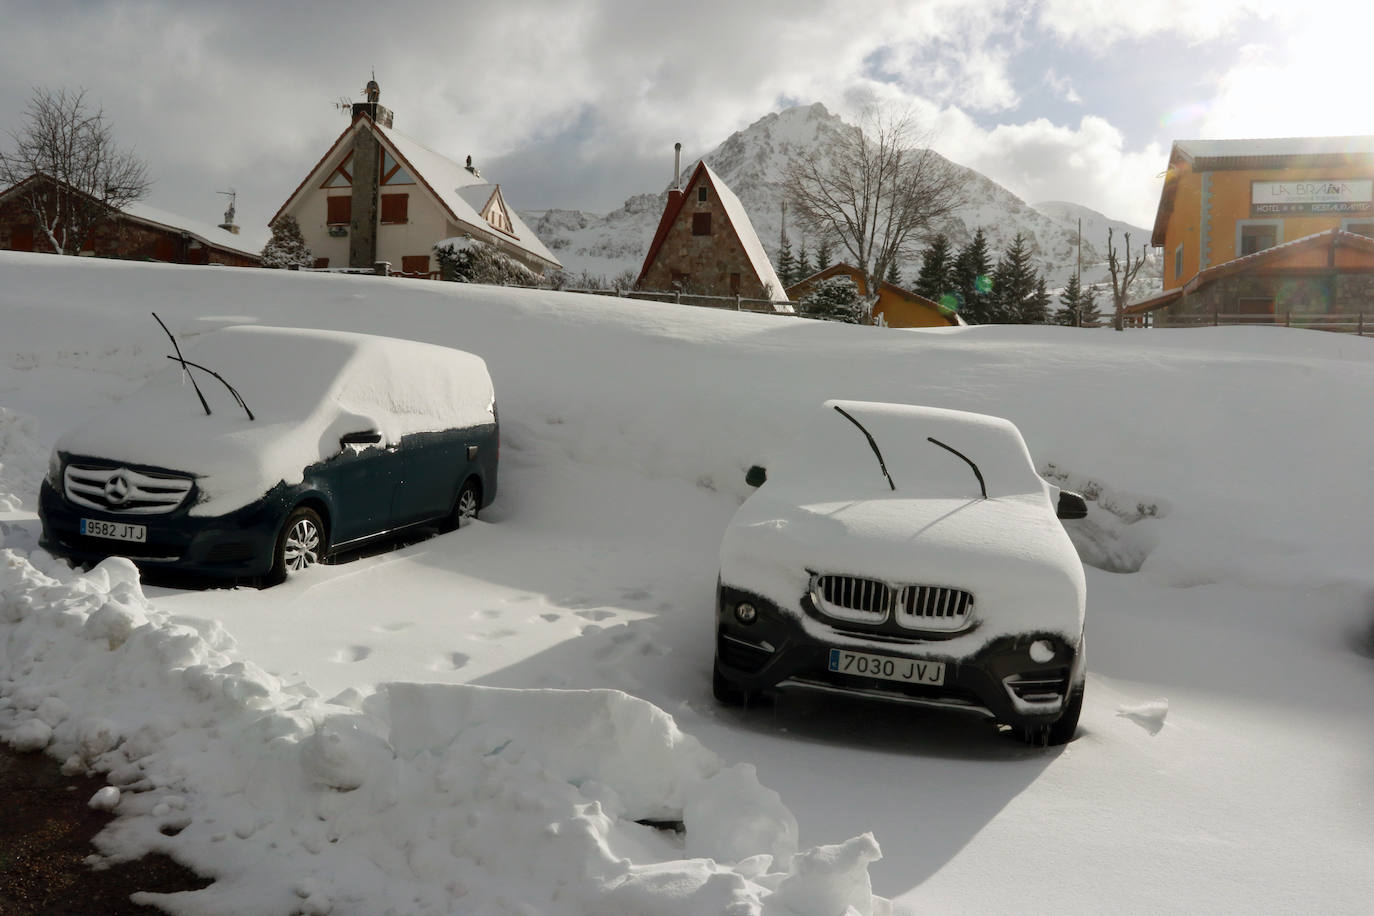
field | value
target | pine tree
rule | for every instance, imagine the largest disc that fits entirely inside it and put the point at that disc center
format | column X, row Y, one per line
column 936, row 265
column 1014, row 286
column 787, row 265
column 1070, row 300
column 1037, row 307
column 894, row 276
column 1089, row 314
column 286, row 248
column 970, row 281
column 804, row 268
column 823, row 255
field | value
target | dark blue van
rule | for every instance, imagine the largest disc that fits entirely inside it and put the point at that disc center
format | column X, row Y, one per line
column 263, row 451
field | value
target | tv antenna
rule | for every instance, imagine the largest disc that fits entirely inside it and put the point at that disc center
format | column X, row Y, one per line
column 233, row 199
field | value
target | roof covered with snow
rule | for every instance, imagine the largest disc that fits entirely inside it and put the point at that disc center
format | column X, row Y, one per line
column 1275, row 146
column 250, row 242
column 758, row 258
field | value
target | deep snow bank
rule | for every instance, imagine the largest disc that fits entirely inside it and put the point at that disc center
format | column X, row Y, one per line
column 415, row 799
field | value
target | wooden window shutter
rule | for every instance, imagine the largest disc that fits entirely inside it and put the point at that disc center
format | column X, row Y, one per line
column 701, row 224
column 21, row 238
column 395, row 208
column 415, row 264
column 340, row 211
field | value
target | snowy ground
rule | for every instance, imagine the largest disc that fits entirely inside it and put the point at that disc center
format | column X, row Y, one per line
column 475, row 722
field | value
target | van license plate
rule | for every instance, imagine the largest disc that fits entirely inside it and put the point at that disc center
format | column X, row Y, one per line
column 115, row 531
column 907, row 670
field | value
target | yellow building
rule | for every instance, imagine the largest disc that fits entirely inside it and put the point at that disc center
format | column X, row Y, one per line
column 1224, row 200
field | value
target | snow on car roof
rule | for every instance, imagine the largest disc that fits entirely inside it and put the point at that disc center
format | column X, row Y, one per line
column 305, row 388
column 832, row 452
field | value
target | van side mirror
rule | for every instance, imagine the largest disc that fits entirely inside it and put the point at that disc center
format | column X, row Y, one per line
column 1071, row 505
column 363, row 437
column 756, row 476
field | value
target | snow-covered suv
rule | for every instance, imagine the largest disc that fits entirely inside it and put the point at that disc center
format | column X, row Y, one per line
column 907, row 553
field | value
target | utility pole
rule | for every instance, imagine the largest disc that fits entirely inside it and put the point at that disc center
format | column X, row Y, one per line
column 1078, row 275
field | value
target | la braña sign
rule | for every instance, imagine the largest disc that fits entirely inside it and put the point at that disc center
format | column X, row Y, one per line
column 1321, row 195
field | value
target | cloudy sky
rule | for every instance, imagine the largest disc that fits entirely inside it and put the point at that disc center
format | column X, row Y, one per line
column 577, row 103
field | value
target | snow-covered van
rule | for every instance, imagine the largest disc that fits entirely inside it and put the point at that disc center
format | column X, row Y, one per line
column 907, row 553
column 261, row 451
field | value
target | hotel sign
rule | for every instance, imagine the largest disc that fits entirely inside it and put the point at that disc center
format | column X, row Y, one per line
column 1312, row 196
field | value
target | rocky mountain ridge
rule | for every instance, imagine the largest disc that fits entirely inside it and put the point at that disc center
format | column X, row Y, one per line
column 751, row 162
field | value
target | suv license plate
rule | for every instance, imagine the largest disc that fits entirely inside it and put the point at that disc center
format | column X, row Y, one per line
column 115, row 531
column 906, row 670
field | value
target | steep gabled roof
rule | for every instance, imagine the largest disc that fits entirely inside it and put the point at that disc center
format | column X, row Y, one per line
column 450, row 184
column 734, row 214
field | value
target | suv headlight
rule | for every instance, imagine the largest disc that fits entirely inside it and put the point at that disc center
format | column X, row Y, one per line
column 55, row 471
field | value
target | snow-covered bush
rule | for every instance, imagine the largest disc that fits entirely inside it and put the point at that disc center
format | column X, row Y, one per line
column 467, row 260
column 286, row 248
column 834, row 299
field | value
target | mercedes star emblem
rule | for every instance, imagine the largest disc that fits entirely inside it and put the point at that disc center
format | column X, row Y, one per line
column 117, row 488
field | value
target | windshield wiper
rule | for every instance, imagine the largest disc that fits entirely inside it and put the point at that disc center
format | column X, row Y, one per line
column 186, row 365
column 872, row 444
column 976, row 473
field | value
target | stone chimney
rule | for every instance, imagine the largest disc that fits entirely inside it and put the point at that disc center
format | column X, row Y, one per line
column 367, row 178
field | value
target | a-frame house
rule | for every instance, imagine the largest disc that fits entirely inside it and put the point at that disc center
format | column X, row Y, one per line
column 706, row 245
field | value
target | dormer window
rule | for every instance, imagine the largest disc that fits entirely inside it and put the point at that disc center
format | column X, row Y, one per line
column 701, row 194
column 496, row 214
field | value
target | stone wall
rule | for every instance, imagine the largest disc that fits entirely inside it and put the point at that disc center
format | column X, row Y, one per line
column 703, row 264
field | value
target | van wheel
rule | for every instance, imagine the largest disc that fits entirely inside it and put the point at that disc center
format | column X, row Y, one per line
column 300, row 545
column 465, row 506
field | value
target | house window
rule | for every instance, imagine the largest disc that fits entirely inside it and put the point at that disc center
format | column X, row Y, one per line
column 1256, row 236
column 1360, row 228
column 416, row 264
column 395, row 208
column 340, row 211
column 392, row 173
column 701, row 223
column 341, row 177
column 21, row 238
column 321, row 263
column 701, row 194
column 1178, row 263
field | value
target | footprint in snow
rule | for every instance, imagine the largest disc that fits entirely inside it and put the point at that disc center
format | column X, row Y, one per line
column 354, row 654
column 598, row 614
column 457, row 660
column 1149, row 715
column 551, row 617
column 396, row 627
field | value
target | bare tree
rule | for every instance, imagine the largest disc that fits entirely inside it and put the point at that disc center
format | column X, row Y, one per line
column 880, row 192
column 1123, row 273
column 88, row 178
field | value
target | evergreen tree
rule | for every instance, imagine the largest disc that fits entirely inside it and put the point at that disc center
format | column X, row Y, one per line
column 894, row 276
column 1089, row 314
column 1014, row 286
column 936, row 266
column 834, row 299
column 286, row 248
column 804, row 268
column 970, row 281
column 823, row 255
column 1070, row 300
column 1037, row 307
column 787, row 264
column 468, row 260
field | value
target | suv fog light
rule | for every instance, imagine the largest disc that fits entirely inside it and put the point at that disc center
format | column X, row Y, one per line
column 745, row 613
column 1041, row 651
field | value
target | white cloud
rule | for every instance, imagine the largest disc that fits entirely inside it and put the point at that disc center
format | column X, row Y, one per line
column 1098, row 25
column 1039, row 161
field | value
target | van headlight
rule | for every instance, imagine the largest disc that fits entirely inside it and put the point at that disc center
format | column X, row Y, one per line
column 55, row 470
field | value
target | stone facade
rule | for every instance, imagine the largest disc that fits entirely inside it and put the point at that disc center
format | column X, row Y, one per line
column 124, row 238
column 702, row 246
